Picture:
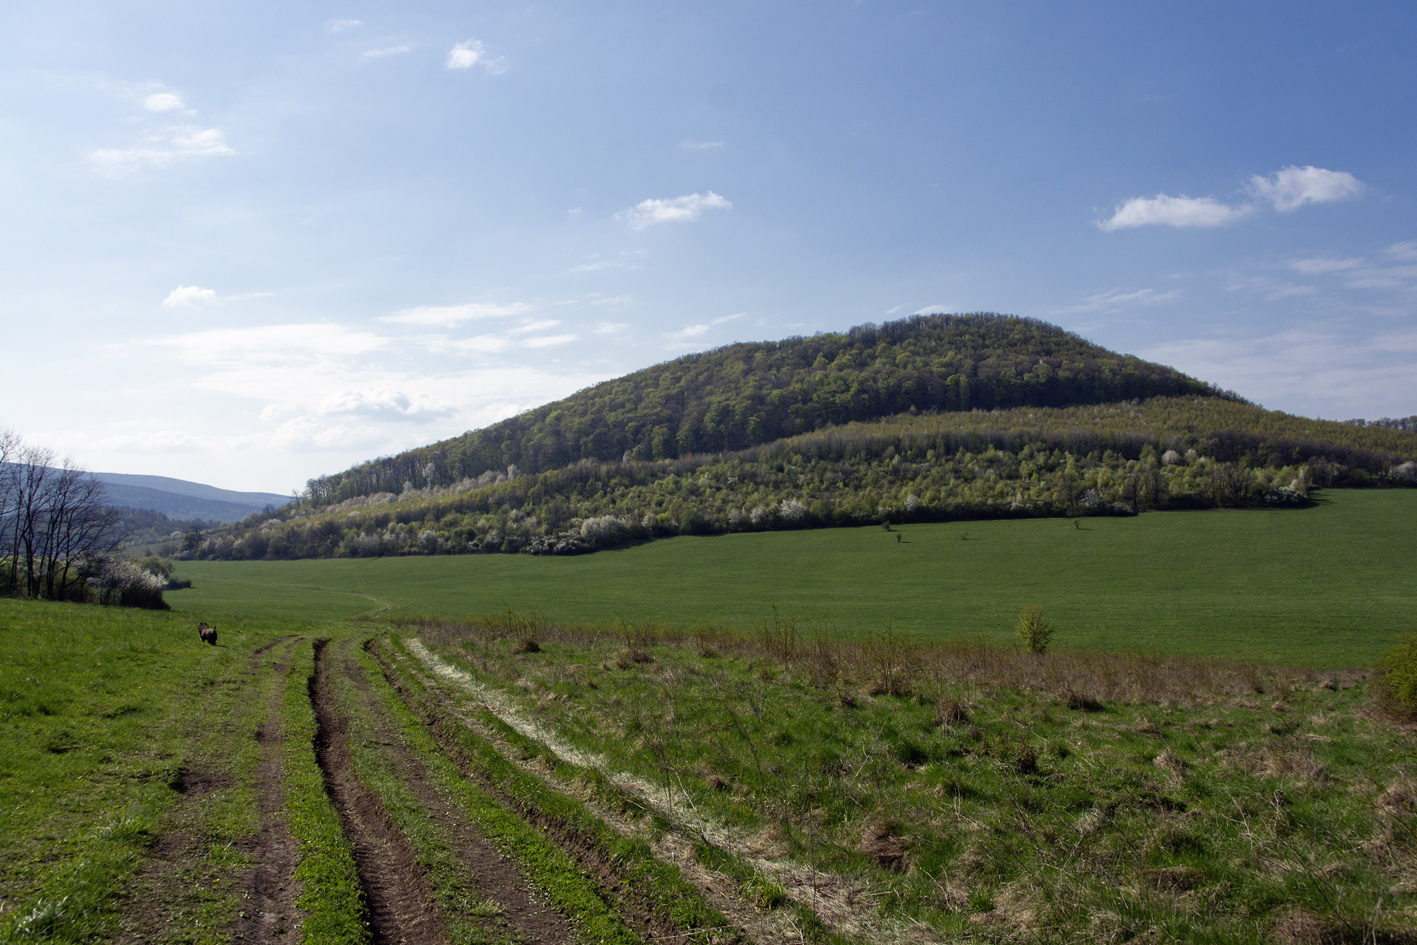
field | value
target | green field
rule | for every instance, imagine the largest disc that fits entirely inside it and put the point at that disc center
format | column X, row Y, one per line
column 1329, row 586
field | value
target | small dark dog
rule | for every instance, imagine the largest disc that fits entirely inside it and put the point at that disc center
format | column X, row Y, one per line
column 207, row 634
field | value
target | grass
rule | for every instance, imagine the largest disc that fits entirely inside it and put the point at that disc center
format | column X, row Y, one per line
column 505, row 824
column 105, row 717
column 330, row 895
column 1224, row 806
column 1325, row 587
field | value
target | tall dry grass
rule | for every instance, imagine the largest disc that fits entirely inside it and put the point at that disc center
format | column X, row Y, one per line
column 888, row 663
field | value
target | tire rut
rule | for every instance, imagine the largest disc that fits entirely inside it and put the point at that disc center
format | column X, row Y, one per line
column 487, row 873
column 598, row 864
column 401, row 906
column 271, row 915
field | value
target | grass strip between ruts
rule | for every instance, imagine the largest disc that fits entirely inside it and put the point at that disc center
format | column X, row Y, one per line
column 469, row 920
column 544, row 864
column 660, row 883
column 330, row 895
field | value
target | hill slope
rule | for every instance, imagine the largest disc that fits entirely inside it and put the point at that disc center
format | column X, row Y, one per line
column 1202, row 449
column 745, row 395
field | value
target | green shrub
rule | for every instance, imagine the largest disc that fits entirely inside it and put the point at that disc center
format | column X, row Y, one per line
column 1033, row 630
column 1396, row 682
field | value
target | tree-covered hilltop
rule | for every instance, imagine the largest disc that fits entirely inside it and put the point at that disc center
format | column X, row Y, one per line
column 1106, row 459
column 745, row 395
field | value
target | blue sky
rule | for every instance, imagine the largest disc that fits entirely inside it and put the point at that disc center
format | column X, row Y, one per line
column 251, row 243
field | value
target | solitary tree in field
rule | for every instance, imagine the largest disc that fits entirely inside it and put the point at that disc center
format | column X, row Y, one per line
column 1033, row 630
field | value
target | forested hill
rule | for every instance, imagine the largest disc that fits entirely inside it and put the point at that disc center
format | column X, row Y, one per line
column 745, row 395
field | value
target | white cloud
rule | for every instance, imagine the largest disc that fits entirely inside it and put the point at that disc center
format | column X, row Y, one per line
column 931, row 309
column 1406, row 250
column 684, row 334
column 162, row 102
column 688, row 145
column 185, row 295
column 1292, row 187
column 1287, row 189
column 342, row 26
column 1163, row 210
column 725, row 319
column 610, row 328
column 159, row 150
column 386, row 51
column 382, row 403
column 674, row 210
column 473, row 53
column 446, row 316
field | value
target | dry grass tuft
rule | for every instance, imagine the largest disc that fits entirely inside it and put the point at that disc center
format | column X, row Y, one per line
column 883, row 842
column 952, row 712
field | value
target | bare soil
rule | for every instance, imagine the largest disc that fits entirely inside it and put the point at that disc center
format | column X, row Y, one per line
column 271, row 915
column 485, row 872
column 401, row 906
column 638, row 910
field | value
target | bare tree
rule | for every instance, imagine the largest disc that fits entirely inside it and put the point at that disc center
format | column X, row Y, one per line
column 51, row 519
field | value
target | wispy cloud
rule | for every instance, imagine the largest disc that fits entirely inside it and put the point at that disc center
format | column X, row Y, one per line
column 1307, row 370
column 342, row 26
column 549, row 341
column 1181, row 212
column 1321, row 264
column 1292, row 187
column 1406, row 250
column 169, row 146
column 473, row 53
column 684, row 334
column 540, row 325
column 1119, row 298
column 610, row 328
column 187, row 295
column 674, row 210
column 386, row 52
column 293, row 343
column 929, row 309
column 687, row 145
column 446, row 316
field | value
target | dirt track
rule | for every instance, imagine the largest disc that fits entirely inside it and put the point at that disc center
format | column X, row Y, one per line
column 271, row 915
column 401, row 906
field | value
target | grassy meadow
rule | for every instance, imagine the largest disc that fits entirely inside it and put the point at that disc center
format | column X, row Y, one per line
column 1329, row 586
column 795, row 736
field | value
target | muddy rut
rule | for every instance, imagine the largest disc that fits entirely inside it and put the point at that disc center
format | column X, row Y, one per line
column 401, row 906
column 483, row 869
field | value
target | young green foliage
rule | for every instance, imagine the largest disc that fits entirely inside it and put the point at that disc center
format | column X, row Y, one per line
column 1033, row 630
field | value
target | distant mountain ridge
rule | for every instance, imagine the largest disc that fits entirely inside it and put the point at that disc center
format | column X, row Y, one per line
column 182, row 499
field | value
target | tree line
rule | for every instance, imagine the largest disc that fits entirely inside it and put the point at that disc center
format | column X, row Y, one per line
column 58, row 535
column 1112, row 459
column 747, row 395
